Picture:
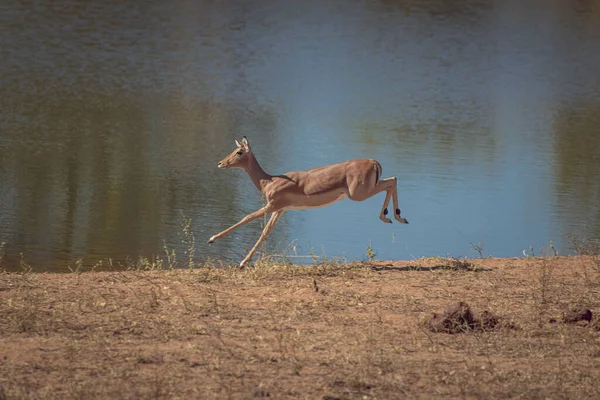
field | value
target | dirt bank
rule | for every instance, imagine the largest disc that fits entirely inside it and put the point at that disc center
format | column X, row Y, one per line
column 322, row 332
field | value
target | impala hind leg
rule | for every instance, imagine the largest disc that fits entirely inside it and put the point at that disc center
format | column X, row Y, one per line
column 359, row 192
column 394, row 192
column 384, row 210
column 391, row 187
column 266, row 231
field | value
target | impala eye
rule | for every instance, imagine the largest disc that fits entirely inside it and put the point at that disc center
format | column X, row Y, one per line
column 239, row 153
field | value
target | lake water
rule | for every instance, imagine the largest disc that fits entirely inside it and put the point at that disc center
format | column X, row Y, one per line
column 113, row 117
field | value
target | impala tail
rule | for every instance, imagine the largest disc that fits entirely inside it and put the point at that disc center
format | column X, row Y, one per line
column 378, row 171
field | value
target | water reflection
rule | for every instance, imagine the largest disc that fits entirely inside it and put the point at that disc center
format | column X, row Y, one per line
column 577, row 143
column 114, row 117
column 117, row 185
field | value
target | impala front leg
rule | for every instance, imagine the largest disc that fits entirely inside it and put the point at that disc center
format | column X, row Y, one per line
column 248, row 218
column 266, row 231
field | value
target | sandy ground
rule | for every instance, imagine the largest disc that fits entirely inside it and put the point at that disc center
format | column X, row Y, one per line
column 331, row 331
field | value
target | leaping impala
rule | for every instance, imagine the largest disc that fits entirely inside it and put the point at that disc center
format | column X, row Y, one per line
column 356, row 179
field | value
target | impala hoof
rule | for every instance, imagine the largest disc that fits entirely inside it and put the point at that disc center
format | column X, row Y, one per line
column 386, row 220
column 211, row 240
column 401, row 220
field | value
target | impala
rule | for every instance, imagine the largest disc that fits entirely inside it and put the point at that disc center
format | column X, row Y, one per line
column 356, row 179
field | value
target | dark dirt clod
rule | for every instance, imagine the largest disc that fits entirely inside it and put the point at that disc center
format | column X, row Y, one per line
column 577, row 314
column 459, row 318
column 455, row 319
column 488, row 320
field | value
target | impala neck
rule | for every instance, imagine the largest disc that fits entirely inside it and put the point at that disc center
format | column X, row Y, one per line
column 258, row 176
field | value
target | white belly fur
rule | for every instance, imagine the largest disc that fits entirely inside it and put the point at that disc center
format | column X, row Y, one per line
column 322, row 200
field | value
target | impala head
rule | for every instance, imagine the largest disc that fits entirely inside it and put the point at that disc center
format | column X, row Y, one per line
column 239, row 157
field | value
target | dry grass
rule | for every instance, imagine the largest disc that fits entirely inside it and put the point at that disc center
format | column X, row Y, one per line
column 331, row 331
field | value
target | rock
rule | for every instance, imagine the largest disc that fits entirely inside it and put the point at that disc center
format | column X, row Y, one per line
column 577, row 314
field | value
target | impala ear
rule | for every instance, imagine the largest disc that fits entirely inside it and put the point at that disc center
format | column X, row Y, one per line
column 238, row 144
column 245, row 142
